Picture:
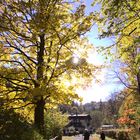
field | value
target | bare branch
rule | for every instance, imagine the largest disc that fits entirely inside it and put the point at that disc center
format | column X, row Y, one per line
column 125, row 84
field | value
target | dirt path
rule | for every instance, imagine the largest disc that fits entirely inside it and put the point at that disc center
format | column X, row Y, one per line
column 80, row 137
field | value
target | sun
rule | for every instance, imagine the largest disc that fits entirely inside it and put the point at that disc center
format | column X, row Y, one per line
column 75, row 60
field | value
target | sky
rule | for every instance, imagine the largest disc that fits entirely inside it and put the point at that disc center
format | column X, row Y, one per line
column 98, row 91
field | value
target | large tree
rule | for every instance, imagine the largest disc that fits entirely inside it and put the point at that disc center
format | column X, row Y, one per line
column 42, row 51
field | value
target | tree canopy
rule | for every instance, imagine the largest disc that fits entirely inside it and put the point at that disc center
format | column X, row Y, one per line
column 121, row 20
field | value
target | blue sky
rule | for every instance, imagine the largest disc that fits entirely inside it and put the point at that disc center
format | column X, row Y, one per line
column 99, row 91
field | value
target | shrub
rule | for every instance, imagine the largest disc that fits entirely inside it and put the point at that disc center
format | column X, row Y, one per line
column 32, row 134
column 110, row 133
column 122, row 135
column 54, row 123
column 12, row 125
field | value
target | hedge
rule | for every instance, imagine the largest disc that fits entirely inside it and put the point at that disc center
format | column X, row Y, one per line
column 119, row 134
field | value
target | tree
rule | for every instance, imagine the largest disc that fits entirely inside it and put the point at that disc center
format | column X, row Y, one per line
column 111, row 108
column 121, row 20
column 129, row 113
column 39, row 40
column 97, row 118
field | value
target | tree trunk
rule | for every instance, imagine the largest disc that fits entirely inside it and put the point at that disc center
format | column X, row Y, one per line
column 39, row 115
column 40, row 103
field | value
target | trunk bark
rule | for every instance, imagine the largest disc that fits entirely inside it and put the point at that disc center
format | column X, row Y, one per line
column 40, row 103
column 39, row 115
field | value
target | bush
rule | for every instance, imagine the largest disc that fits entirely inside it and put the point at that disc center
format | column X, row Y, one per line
column 120, row 134
column 32, row 134
column 12, row 125
column 110, row 133
column 54, row 124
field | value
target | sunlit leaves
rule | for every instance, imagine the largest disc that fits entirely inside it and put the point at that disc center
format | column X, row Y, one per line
column 129, row 112
column 121, row 19
column 118, row 14
column 57, row 27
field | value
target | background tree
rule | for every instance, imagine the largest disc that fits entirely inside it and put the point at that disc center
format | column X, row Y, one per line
column 111, row 108
column 121, row 20
column 38, row 41
column 97, row 118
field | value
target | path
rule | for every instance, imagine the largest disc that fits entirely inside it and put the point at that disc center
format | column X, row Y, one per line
column 80, row 137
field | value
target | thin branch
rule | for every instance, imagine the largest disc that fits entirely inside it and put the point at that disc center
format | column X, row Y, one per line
column 22, row 106
column 29, row 58
column 14, row 61
column 11, row 81
column 128, row 86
